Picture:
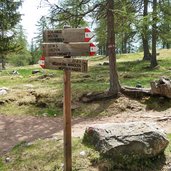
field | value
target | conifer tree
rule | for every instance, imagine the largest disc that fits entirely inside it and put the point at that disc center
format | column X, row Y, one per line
column 9, row 16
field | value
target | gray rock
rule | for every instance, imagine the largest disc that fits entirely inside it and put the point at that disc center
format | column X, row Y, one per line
column 105, row 63
column 3, row 91
column 15, row 72
column 36, row 71
column 134, row 139
column 7, row 159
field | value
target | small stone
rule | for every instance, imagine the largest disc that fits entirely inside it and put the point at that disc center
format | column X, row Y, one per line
column 45, row 114
column 83, row 154
column 105, row 63
column 29, row 144
column 7, row 159
column 139, row 85
column 28, row 85
column 3, row 92
column 36, row 71
column 62, row 166
column 15, row 72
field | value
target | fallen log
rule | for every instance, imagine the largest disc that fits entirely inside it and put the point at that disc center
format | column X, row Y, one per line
column 128, row 91
column 135, row 92
column 94, row 96
column 166, row 118
column 161, row 87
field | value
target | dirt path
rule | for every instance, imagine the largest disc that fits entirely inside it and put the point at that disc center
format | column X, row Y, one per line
column 14, row 130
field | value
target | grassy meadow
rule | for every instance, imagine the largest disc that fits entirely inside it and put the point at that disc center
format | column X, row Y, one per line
column 41, row 94
column 37, row 94
column 47, row 155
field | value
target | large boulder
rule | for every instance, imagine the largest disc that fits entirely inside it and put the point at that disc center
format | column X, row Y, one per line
column 134, row 139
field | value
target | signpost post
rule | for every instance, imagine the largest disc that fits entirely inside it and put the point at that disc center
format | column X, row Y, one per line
column 69, row 42
column 67, row 122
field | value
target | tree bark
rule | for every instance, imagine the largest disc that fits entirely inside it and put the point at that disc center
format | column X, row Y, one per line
column 3, row 62
column 147, row 54
column 168, row 46
column 114, row 82
column 154, row 35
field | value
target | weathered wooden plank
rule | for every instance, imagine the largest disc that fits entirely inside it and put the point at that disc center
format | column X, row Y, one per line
column 52, row 36
column 68, row 49
column 67, row 122
column 76, row 65
column 68, row 35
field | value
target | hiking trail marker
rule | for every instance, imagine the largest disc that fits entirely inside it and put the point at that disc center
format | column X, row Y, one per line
column 67, row 42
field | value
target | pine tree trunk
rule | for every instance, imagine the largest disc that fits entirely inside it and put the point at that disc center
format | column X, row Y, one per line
column 125, row 43
column 147, row 54
column 3, row 62
column 114, row 82
column 154, row 36
column 168, row 46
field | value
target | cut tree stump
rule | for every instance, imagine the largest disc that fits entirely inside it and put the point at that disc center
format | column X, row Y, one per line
column 161, row 87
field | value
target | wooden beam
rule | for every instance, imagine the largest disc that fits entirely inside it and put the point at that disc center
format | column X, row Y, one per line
column 67, row 122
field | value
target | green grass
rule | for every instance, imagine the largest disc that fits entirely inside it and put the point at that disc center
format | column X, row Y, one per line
column 131, row 71
column 47, row 155
column 168, row 149
column 38, row 95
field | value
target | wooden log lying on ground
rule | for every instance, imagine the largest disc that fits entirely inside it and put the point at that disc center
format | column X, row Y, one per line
column 161, row 87
column 128, row 91
column 135, row 92
column 94, row 96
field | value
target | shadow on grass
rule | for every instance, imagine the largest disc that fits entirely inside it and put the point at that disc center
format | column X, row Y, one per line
column 136, row 66
column 93, row 109
column 151, row 164
column 157, row 103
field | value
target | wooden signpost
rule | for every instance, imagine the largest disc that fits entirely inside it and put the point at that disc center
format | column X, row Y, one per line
column 71, row 64
column 69, row 42
column 68, row 49
column 68, row 35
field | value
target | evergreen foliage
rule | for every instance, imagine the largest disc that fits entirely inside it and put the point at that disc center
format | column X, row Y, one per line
column 21, row 56
column 9, row 16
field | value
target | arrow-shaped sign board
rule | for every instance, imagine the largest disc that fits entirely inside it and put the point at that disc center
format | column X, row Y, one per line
column 71, row 64
column 68, row 49
column 66, row 63
column 68, row 35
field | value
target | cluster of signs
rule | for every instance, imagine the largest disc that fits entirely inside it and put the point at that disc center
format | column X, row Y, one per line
column 60, row 46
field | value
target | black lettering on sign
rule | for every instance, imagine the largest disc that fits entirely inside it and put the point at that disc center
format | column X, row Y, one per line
column 52, row 36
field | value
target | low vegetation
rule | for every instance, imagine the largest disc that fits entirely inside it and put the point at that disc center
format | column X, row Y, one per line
column 41, row 94
column 47, row 155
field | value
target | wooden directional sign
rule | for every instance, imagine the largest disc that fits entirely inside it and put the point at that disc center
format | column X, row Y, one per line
column 67, row 43
column 68, row 49
column 76, row 65
column 68, row 35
